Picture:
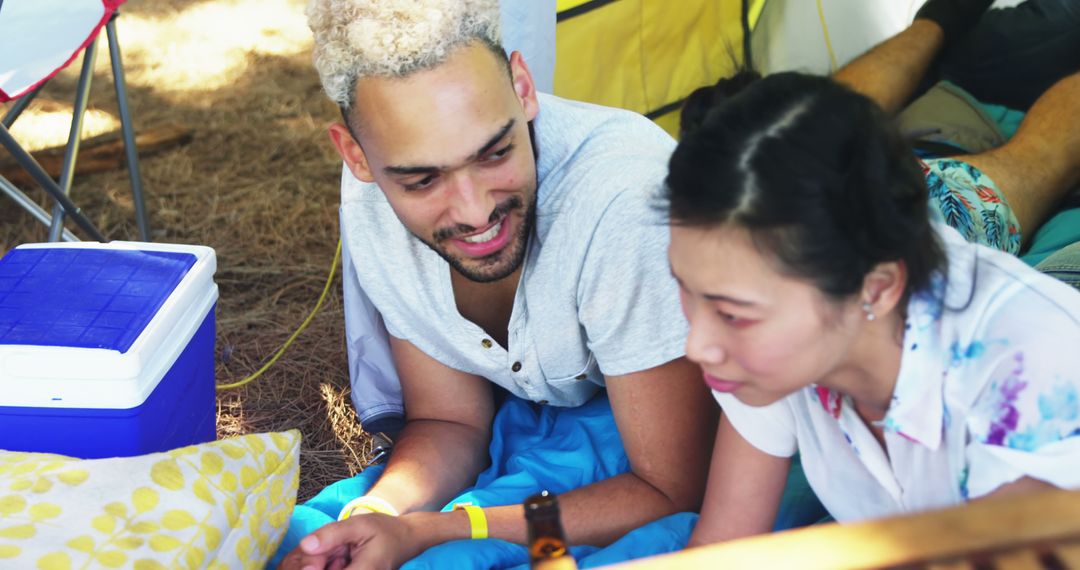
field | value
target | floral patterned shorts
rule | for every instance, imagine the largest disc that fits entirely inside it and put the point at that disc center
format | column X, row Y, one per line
column 966, row 199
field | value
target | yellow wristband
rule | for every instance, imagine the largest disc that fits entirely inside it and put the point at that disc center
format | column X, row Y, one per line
column 369, row 504
column 477, row 520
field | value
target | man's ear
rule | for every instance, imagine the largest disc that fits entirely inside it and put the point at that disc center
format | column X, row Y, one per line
column 884, row 287
column 524, row 86
column 350, row 152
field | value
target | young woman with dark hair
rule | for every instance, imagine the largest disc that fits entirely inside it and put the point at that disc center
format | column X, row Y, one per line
column 910, row 368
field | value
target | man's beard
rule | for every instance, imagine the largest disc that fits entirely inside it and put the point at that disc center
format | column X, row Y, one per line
column 500, row 264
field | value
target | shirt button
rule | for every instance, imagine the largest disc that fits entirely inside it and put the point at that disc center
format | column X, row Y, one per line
column 516, row 367
column 543, row 402
column 486, row 343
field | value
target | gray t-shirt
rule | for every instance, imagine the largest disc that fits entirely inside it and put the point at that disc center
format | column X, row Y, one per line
column 596, row 296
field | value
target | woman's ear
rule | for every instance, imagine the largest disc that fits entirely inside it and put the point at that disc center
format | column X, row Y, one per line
column 884, row 286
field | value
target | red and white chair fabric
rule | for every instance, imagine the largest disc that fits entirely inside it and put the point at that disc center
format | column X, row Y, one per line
column 38, row 39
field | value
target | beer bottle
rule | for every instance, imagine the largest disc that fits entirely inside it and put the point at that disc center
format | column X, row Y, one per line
column 547, row 543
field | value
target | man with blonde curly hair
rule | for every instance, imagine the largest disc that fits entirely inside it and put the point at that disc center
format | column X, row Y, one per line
column 510, row 243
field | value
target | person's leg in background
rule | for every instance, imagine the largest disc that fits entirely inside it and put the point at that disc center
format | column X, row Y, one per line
column 893, row 71
column 1063, row 265
column 1041, row 163
column 1011, row 58
column 1035, row 169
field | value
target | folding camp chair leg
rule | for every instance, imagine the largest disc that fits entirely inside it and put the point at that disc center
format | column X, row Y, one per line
column 24, row 201
column 19, row 106
column 45, row 181
column 82, row 94
column 128, row 129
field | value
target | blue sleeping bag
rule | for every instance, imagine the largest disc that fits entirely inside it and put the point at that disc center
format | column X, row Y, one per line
column 535, row 448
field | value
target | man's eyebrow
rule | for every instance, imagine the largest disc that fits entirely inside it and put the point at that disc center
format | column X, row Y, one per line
column 493, row 140
column 407, row 170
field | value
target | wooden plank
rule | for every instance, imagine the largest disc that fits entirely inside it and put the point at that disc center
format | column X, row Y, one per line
column 1069, row 555
column 1021, row 559
column 955, row 564
column 986, row 526
column 98, row 154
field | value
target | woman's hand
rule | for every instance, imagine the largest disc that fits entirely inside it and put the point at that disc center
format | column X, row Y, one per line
column 362, row 542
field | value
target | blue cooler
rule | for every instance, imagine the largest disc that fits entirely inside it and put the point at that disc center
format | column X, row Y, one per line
column 106, row 349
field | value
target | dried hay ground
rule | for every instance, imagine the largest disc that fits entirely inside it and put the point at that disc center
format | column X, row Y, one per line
column 259, row 183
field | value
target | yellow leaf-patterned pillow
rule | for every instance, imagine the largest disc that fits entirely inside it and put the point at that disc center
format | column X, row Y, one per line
column 224, row 504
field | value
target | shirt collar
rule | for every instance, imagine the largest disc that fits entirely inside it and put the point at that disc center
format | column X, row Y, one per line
column 917, row 410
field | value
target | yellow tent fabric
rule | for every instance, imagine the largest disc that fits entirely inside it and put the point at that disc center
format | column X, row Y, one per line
column 646, row 55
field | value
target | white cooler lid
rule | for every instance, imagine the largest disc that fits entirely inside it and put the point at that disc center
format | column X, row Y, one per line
column 92, row 325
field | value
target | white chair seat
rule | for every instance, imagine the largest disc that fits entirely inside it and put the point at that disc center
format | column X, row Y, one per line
column 38, row 38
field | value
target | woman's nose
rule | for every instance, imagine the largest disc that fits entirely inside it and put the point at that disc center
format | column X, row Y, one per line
column 704, row 343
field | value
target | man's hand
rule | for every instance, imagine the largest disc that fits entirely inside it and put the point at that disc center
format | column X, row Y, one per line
column 368, row 541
